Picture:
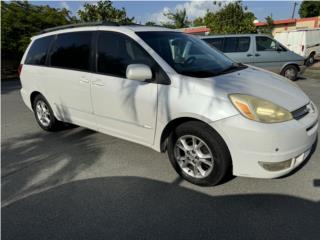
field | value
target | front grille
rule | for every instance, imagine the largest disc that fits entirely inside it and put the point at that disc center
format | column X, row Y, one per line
column 300, row 112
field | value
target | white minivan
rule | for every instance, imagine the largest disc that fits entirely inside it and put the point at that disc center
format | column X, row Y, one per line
column 305, row 42
column 171, row 92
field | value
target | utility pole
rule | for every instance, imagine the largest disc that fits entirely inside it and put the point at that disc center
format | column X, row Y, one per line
column 294, row 9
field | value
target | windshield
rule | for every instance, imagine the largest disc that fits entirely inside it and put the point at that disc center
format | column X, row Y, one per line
column 188, row 55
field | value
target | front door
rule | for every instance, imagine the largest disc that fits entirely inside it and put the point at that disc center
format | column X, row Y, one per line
column 123, row 107
column 269, row 54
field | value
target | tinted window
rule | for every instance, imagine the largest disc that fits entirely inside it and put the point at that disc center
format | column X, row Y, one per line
column 236, row 44
column 116, row 51
column 174, row 48
column 38, row 51
column 266, row 44
column 72, row 50
column 215, row 42
column 230, row 45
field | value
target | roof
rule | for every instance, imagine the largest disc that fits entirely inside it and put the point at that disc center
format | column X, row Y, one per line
column 91, row 26
column 233, row 35
column 287, row 21
column 200, row 29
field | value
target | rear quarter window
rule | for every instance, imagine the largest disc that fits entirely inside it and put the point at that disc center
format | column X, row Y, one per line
column 38, row 51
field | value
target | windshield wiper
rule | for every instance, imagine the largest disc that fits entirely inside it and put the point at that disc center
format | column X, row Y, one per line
column 233, row 68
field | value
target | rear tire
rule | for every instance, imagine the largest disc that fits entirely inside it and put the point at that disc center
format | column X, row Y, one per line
column 44, row 114
column 193, row 162
column 310, row 60
column 290, row 72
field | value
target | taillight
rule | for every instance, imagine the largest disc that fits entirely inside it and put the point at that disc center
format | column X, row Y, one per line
column 302, row 48
column 20, row 69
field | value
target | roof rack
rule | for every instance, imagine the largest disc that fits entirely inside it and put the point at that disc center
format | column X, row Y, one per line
column 86, row 24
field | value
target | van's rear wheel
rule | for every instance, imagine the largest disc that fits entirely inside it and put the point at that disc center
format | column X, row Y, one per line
column 198, row 153
column 44, row 114
column 290, row 72
column 310, row 60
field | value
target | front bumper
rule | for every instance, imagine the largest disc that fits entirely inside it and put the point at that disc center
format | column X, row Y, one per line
column 252, row 143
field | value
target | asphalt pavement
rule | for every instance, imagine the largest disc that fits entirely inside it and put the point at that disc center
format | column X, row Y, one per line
column 80, row 184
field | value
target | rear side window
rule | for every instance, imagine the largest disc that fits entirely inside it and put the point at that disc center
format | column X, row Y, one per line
column 236, row 44
column 215, row 42
column 38, row 51
column 116, row 51
column 72, row 51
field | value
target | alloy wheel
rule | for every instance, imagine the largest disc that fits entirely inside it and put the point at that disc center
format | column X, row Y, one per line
column 194, row 156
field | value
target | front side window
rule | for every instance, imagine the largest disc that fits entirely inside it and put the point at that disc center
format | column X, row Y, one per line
column 187, row 54
column 38, row 51
column 72, row 51
column 266, row 44
column 116, row 51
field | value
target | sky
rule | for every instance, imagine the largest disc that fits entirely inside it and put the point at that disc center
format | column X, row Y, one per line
column 144, row 11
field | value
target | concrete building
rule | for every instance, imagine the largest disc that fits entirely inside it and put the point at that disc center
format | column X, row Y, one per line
column 279, row 25
column 292, row 24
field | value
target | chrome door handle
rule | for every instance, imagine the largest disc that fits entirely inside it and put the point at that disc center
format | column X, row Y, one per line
column 84, row 80
column 257, row 54
column 98, row 82
column 249, row 55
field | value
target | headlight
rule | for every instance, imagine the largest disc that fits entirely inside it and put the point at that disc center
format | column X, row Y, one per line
column 260, row 110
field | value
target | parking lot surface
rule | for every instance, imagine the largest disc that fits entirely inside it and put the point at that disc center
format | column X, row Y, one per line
column 80, row 184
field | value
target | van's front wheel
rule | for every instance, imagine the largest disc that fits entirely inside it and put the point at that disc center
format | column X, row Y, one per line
column 44, row 114
column 198, row 153
column 290, row 72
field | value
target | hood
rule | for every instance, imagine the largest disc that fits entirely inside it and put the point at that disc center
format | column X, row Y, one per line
column 256, row 82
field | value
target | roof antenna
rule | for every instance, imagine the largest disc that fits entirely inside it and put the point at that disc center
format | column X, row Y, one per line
column 294, row 9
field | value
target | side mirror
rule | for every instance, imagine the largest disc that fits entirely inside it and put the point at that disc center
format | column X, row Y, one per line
column 139, row 72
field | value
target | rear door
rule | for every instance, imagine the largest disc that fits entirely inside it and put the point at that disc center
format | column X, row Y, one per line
column 239, row 49
column 69, row 76
column 123, row 107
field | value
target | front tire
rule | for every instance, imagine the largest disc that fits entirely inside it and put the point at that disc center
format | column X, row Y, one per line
column 198, row 154
column 290, row 72
column 44, row 114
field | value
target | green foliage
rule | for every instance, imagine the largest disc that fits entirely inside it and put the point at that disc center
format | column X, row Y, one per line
column 199, row 21
column 309, row 9
column 269, row 27
column 177, row 19
column 103, row 11
column 150, row 23
column 231, row 18
column 21, row 20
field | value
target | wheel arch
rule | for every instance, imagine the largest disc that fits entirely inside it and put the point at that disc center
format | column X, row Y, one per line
column 33, row 96
column 289, row 64
column 170, row 126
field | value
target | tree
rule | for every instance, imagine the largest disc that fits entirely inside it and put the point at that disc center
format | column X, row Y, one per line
column 150, row 23
column 231, row 18
column 103, row 11
column 269, row 27
column 21, row 20
column 177, row 19
column 309, row 9
column 199, row 21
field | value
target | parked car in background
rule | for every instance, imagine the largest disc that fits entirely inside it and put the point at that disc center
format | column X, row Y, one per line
column 305, row 42
column 172, row 92
column 259, row 50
